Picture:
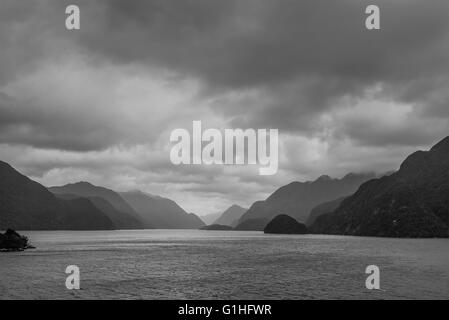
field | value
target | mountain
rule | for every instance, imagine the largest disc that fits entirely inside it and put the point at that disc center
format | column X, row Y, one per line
column 106, row 200
column 27, row 205
column 412, row 202
column 284, row 224
column 298, row 198
column 235, row 223
column 160, row 212
column 257, row 224
column 193, row 221
column 323, row 208
column 230, row 215
column 121, row 220
column 210, row 218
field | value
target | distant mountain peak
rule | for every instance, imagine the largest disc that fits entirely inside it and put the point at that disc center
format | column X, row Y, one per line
column 354, row 175
column 327, row 178
column 297, row 199
column 82, row 187
column 143, row 193
column 83, row 184
column 230, row 215
column 324, row 177
column 161, row 213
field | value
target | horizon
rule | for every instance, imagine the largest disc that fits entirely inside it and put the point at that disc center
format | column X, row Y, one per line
column 377, row 174
column 246, row 207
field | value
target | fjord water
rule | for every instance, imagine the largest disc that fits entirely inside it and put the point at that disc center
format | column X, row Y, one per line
column 192, row 264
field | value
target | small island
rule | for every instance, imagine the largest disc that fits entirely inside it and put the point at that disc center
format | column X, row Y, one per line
column 217, row 227
column 12, row 241
column 284, row 224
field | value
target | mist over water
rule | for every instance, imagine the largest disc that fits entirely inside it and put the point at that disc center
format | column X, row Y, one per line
column 192, row 264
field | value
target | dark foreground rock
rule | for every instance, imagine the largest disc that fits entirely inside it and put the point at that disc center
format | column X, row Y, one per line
column 217, row 227
column 12, row 241
column 284, row 224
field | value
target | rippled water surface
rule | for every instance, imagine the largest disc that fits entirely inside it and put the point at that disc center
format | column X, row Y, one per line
column 191, row 264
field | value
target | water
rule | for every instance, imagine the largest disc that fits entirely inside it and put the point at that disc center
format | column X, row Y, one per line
column 191, row 264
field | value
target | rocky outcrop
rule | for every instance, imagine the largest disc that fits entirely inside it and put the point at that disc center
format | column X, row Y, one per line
column 284, row 224
column 12, row 241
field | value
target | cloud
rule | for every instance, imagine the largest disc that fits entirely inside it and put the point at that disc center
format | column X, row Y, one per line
column 299, row 56
column 289, row 61
column 99, row 103
column 71, row 106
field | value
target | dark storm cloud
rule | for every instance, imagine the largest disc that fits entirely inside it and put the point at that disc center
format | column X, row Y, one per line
column 46, row 128
column 250, row 43
column 30, row 33
column 302, row 56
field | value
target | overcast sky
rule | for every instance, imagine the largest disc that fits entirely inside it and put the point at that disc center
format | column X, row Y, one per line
column 99, row 104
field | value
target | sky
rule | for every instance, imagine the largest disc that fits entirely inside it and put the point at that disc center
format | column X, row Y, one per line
column 98, row 104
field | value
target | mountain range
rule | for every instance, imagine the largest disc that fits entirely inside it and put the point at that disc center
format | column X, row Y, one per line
column 412, row 202
column 161, row 213
column 111, row 203
column 297, row 199
column 211, row 217
column 27, row 205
